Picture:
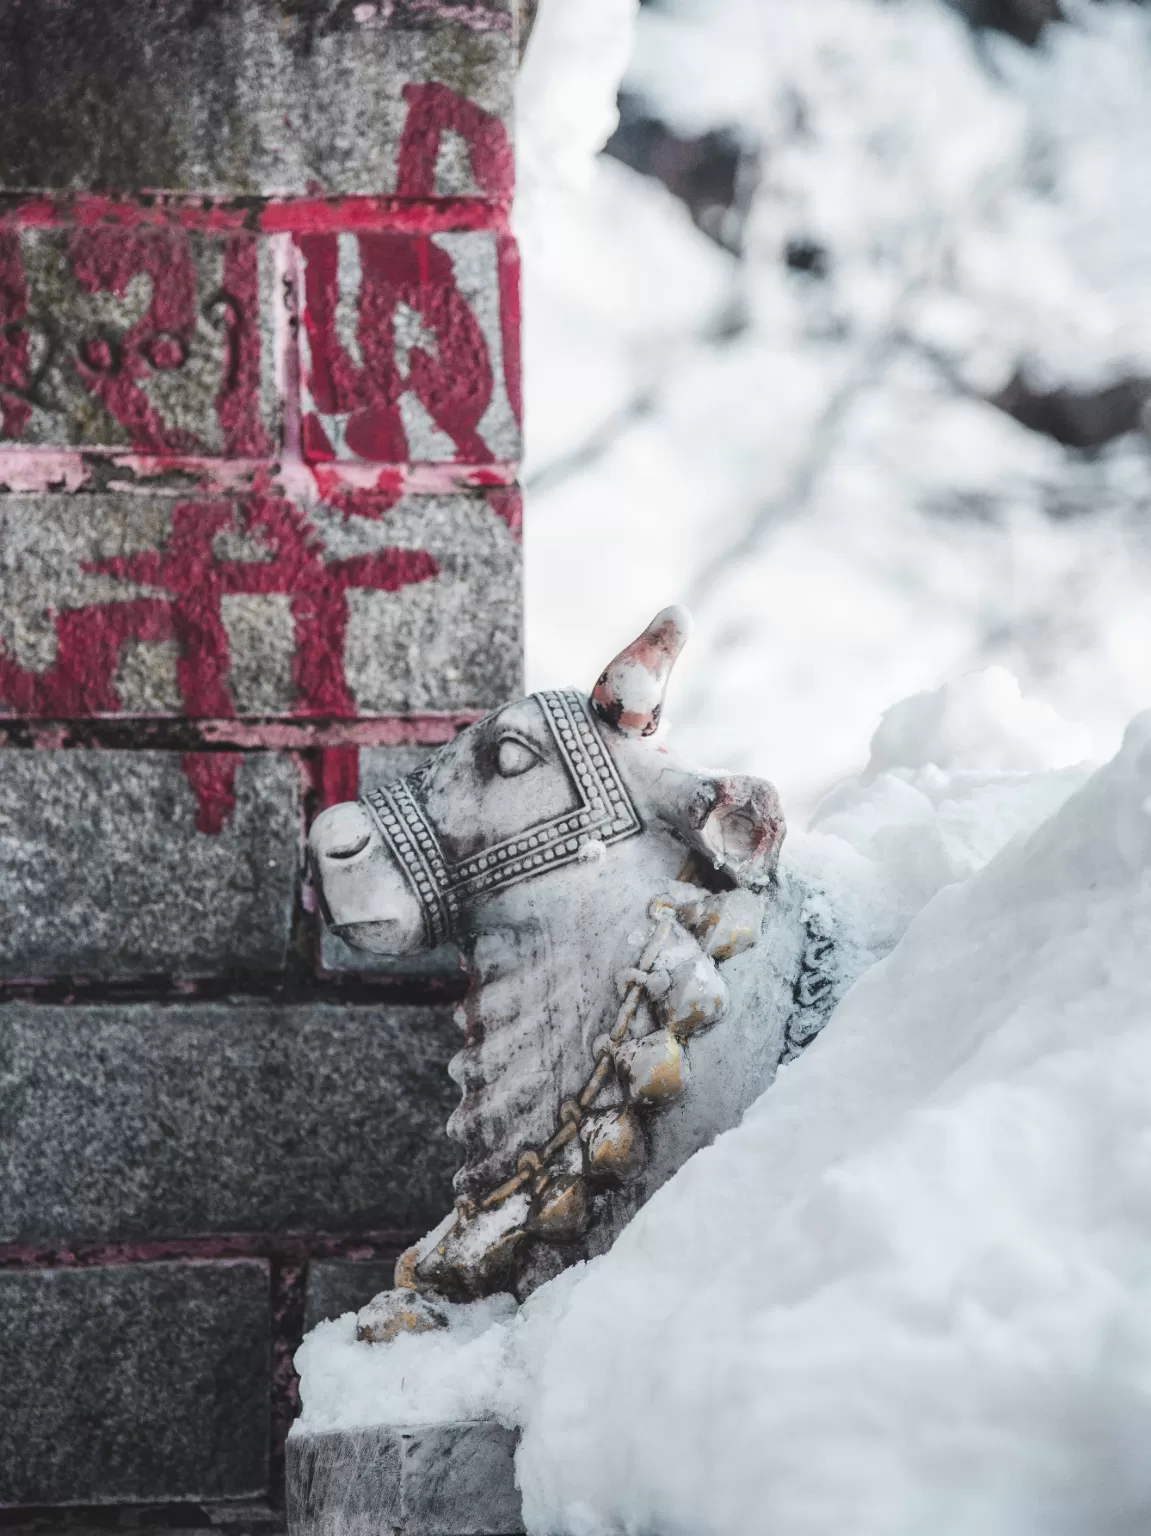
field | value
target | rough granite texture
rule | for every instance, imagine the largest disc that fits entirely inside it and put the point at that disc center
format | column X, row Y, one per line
column 153, row 1120
column 138, row 603
column 253, row 96
column 104, row 872
column 134, row 1382
column 452, row 642
column 336, row 1286
column 451, row 1479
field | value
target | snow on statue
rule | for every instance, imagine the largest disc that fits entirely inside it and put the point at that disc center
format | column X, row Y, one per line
column 639, row 965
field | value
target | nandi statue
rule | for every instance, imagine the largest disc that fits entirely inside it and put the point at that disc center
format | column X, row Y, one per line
column 639, row 967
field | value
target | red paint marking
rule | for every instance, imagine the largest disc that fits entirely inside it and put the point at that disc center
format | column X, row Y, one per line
column 88, row 646
column 14, row 361
column 351, row 215
column 47, row 469
column 212, row 777
column 387, row 731
column 193, row 579
column 113, row 366
column 339, row 775
column 454, row 383
column 302, row 215
column 238, row 402
column 508, row 258
column 88, row 210
column 106, row 261
column 197, row 579
column 434, row 110
column 354, row 502
column 508, row 505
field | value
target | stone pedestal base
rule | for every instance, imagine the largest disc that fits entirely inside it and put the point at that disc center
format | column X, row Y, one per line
column 452, row 1479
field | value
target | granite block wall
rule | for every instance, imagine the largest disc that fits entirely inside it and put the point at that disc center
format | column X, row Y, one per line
column 259, row 543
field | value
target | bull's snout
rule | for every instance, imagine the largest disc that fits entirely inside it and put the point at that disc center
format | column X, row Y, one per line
column 363, row 892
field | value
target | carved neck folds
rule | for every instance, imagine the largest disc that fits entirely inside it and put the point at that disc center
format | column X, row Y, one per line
column 595, row 884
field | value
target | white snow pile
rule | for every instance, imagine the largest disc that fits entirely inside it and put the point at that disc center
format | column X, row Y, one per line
column 910, row 1295
column 814, row 464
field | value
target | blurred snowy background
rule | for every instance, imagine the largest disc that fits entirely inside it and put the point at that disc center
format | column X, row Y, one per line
column 845, row 342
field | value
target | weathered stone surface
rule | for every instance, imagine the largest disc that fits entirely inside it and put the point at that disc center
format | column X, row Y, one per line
column 452, row 1479
column 452, row 642
column 382, row 765
column 222, row 1117
column 140, row 603
column 152, row 338
column 256, row 96
column 118, row 864
column 336, row 1286
column 410, row 347
column 134, row 1383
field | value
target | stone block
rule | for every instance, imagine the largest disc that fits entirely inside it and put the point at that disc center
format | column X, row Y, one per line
column 451, row 1479
column 134, row 1120
column 137, row 603
column 382, row 765
column 134, row 1383
column 242, row 97
column 151, row 338
column 336, row 1286
column 410, row 347
column 122, row 864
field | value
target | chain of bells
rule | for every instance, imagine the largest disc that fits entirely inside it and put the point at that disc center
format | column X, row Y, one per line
column 471, row 1252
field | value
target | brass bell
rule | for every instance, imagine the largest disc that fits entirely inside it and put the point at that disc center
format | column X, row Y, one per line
column 476, row 1257
column 726, row 924
column 654, row 1069
column 696, row 997
column 615, row 1143
column 737, row 924
column 560, row 1212
column 394, row 1312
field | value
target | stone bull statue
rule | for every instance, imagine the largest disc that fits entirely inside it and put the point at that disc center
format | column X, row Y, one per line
column 639, row 964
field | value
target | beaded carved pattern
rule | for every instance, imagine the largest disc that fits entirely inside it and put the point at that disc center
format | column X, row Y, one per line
column 604, row 814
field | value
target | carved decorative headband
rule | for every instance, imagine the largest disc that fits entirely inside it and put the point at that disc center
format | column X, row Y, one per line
column 605, row 814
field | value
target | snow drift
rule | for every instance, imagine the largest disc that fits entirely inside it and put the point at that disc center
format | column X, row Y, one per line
column 910, row 1292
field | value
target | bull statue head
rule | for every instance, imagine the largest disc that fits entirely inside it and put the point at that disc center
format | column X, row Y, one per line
column 596, row 884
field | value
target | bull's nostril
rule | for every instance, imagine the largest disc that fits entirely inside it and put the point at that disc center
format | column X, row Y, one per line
column 349, row 850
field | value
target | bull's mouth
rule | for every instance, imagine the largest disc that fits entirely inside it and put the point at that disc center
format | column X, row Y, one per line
column 381, row 937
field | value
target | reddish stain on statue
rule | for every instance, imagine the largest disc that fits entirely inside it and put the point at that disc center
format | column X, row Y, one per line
column 193, row 579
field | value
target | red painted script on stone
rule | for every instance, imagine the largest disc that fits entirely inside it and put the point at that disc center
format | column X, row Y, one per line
column 113, row 366
column 451, row 376
column 194, row 579
column 433, row 110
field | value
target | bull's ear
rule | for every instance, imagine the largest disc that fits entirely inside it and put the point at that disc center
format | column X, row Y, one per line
column 629, row 694
column 736, row 822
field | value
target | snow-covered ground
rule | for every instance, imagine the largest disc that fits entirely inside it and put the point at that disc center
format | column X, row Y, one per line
column 910, row 1295
column 811, row 464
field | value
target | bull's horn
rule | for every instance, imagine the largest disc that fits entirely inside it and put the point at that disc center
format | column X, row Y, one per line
column 629, row 694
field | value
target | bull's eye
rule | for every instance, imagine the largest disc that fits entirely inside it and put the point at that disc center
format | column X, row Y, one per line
column 515, row 756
